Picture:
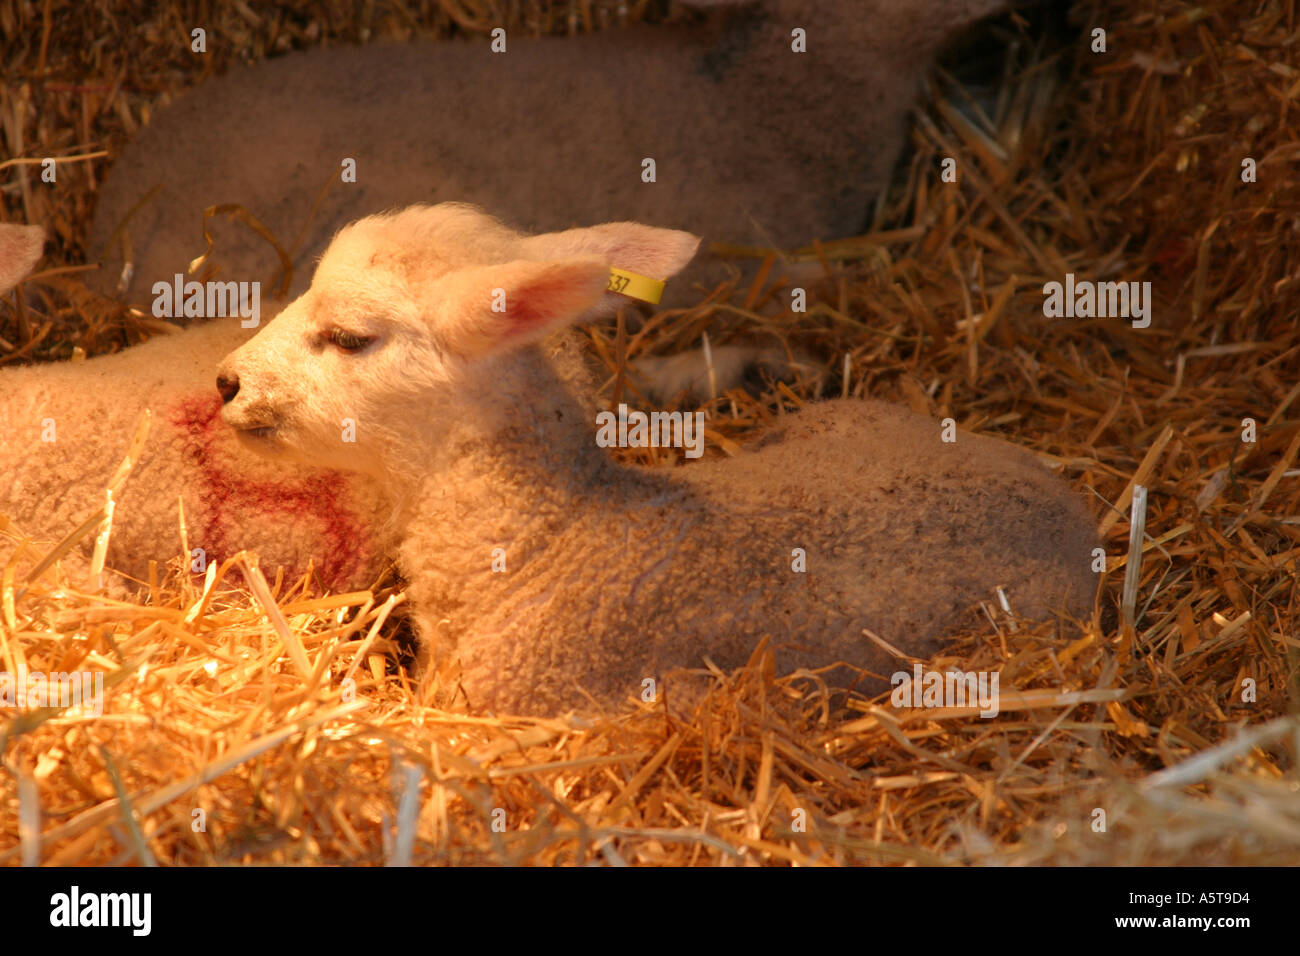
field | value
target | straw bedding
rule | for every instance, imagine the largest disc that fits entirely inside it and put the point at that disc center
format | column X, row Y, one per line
column 270, row 723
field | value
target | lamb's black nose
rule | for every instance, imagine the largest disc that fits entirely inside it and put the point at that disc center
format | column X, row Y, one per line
column 228, row 386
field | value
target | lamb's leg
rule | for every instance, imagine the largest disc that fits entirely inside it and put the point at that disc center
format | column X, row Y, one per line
column 697, row 376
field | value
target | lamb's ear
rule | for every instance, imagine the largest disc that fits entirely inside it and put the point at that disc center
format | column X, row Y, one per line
column 491, row 308
column 645, row 250
column 20, row 249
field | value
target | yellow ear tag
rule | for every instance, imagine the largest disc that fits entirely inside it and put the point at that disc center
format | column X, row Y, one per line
column 635, row 286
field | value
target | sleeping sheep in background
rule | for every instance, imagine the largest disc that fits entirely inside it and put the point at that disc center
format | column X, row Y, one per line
column 547, row 569
column 65, row 427
column 752, row 141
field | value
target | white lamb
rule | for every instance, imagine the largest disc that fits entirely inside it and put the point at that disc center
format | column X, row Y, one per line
column 551, row 572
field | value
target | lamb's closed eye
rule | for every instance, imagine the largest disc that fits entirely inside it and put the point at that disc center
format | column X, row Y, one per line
column 350, row 342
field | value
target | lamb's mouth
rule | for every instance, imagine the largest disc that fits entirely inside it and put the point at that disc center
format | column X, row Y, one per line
column 258, row 431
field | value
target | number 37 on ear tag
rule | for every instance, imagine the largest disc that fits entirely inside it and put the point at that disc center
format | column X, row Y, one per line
column 635, row 286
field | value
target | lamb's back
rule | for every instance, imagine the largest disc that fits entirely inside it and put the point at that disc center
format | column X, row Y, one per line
column 912, row 529
column 850, row 515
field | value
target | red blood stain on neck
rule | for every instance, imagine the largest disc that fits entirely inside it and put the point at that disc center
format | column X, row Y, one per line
column 308, row 510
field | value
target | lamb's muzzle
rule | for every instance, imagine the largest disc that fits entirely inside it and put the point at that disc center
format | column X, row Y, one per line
column 547, row 570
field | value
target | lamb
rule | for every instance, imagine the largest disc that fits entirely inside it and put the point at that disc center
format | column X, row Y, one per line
column 548, row 571
column 752, row 142
column 64, row 428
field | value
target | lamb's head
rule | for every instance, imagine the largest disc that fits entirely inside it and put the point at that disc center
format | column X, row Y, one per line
column 410, row 316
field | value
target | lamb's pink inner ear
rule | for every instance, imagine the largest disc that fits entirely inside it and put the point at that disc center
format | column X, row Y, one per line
column 531, row 299
column 555, row 293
